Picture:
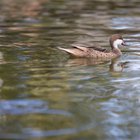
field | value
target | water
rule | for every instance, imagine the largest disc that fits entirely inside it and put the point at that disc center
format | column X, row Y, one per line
column 47, row 95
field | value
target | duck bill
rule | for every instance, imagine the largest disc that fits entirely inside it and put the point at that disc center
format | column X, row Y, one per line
column 124, row 44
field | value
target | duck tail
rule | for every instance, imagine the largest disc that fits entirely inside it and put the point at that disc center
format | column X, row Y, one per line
column 70, row 51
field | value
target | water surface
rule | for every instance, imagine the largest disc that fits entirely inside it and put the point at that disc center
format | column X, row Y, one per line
column 47, row 95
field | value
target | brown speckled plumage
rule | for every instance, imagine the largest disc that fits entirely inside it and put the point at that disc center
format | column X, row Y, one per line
column 96, row 52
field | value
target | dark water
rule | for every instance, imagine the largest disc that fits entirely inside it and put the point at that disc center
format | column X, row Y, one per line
column 47, row 95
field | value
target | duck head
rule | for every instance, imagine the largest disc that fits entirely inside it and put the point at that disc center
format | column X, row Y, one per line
column 116, row 41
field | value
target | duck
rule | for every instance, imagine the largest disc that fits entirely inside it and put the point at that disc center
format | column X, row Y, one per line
column 80, row 51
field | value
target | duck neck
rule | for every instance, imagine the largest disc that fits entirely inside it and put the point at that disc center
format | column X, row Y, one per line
column 117, row 51
column 115, row 47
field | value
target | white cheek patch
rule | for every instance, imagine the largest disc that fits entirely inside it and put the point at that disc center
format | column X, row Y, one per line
column 117, row 43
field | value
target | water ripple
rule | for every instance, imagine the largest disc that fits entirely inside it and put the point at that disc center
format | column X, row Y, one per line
column 20, row 107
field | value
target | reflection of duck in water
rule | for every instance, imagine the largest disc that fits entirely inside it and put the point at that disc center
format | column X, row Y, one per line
column 114, row 66
column 85, row 61
column 117, row 66
column 95, row 52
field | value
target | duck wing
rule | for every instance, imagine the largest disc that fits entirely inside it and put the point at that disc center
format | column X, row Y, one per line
column 86, row 48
